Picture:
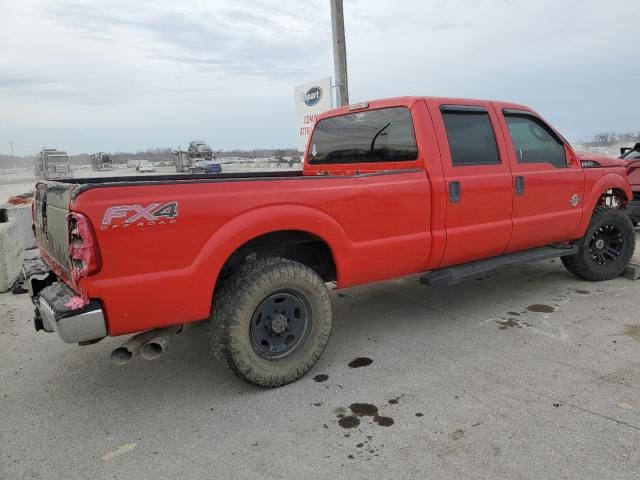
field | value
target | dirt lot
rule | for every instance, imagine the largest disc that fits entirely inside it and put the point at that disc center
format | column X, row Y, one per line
column 525, row 373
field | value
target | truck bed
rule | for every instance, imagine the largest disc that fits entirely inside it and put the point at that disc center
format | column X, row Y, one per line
column 178, row 177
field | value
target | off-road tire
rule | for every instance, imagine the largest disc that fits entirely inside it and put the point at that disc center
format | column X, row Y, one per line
column 233, row 308
column 583, row 265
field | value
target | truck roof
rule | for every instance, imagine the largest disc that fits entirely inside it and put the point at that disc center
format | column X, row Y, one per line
column 409, row 101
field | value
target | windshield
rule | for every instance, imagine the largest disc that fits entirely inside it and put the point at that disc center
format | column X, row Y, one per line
column 57, row 158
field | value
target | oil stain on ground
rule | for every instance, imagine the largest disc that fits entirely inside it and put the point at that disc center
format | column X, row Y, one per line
column 359, row 410
column 633, row 331
column 541, row 308
column 369, row 410
column 383, row 421
column 350, row 421
column 364, row 409
column 360, row 362
column 511, row 322
column 504, row 324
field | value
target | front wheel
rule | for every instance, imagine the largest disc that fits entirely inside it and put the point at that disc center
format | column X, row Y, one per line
column 271, row 321
column 606, row 248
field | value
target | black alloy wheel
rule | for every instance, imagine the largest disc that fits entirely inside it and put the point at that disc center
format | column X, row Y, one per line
column 606, row 245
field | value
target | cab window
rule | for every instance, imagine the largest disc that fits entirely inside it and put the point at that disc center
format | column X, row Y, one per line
column 470, row 135
column 534, row 142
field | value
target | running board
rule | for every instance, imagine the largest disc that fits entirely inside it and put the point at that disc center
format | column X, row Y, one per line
column 458, row 273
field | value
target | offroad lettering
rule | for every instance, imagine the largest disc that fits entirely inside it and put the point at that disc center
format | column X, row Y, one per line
column 128, row 215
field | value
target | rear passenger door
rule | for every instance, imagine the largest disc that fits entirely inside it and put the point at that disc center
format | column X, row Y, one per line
column 548, row 183
column 478, row 179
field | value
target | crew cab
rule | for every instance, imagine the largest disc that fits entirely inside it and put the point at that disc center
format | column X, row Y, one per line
column 444, row 187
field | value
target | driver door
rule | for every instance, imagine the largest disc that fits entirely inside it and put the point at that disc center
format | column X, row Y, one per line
column 548, row 182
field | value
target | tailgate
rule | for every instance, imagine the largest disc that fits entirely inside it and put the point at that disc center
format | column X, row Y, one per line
column 50, row 224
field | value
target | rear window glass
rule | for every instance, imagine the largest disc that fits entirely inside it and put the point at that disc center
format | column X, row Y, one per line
column 471, row 138
column 383, row 135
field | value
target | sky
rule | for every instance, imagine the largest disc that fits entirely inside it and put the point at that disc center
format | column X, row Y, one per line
column 92, row 75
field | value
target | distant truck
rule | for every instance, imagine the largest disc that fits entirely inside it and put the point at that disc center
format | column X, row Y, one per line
column 101, row 161
column 185, row 160
column 199, row 149
column 182, row 161
column 52, row 164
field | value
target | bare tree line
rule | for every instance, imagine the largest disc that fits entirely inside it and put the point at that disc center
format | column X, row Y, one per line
column 612, row 138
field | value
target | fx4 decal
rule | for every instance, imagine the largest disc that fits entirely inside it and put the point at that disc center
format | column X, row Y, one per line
column 123, row 216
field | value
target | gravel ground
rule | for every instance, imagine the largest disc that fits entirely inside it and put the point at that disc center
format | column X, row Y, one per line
column 526, row 373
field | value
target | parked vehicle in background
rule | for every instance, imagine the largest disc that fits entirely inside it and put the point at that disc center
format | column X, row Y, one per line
column 632, row 156
column 146, row 167
column 185, row 160
column 630, row 153
column 101, row 161
column 52, row 164
column 204, row 166
column 449, row 188
column 133, row 164
column 200, row 149
column 182, row 161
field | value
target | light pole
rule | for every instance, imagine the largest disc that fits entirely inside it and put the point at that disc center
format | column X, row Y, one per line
column 13, row 158
column 339, row 53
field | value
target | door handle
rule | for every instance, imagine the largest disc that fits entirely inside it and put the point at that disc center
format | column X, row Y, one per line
column 519, row 186
column 454, row 192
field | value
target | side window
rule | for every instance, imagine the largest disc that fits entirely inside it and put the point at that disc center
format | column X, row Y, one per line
column 471, row 137
column 535, row 142
column 382, row 135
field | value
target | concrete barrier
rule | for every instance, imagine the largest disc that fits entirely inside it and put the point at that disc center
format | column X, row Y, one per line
column 22, row 215
column 16, row 236
column 11, row 253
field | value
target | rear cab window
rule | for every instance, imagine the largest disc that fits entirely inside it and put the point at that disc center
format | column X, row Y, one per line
column 470, row 135
column 370, row 136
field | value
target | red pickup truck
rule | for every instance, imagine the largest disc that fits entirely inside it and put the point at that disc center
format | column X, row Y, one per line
column 440, row 186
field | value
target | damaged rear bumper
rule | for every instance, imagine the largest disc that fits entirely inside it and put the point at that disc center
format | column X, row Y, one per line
column 54, row 307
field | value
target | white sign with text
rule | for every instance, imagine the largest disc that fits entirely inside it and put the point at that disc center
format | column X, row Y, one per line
column 311, row 99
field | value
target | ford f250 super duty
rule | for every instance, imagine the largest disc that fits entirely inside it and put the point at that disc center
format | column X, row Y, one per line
column 445, row 187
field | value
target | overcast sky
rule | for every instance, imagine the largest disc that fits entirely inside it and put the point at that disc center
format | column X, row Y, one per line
column 129, row 75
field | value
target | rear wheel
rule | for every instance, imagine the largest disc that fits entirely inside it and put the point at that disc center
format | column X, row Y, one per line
column 271, row 321
column 606, row 248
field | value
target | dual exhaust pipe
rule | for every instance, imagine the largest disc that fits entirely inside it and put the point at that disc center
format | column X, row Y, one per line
column 150, row 345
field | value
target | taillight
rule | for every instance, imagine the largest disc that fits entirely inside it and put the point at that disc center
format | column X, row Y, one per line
column 83, row 249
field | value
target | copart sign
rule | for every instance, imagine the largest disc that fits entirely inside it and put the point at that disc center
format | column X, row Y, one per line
column 311, row 100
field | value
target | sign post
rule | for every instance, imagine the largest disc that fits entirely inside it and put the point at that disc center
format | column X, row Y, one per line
column 311, row 99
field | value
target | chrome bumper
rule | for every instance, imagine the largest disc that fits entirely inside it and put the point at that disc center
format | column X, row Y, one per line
column 52, row 314
column 73, row 326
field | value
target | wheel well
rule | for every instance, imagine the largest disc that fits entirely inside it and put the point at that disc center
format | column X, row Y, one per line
column 298, row 246
column 613, row 198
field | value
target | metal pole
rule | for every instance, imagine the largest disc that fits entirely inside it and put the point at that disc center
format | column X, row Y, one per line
column 339, row 53
column 13, row 156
